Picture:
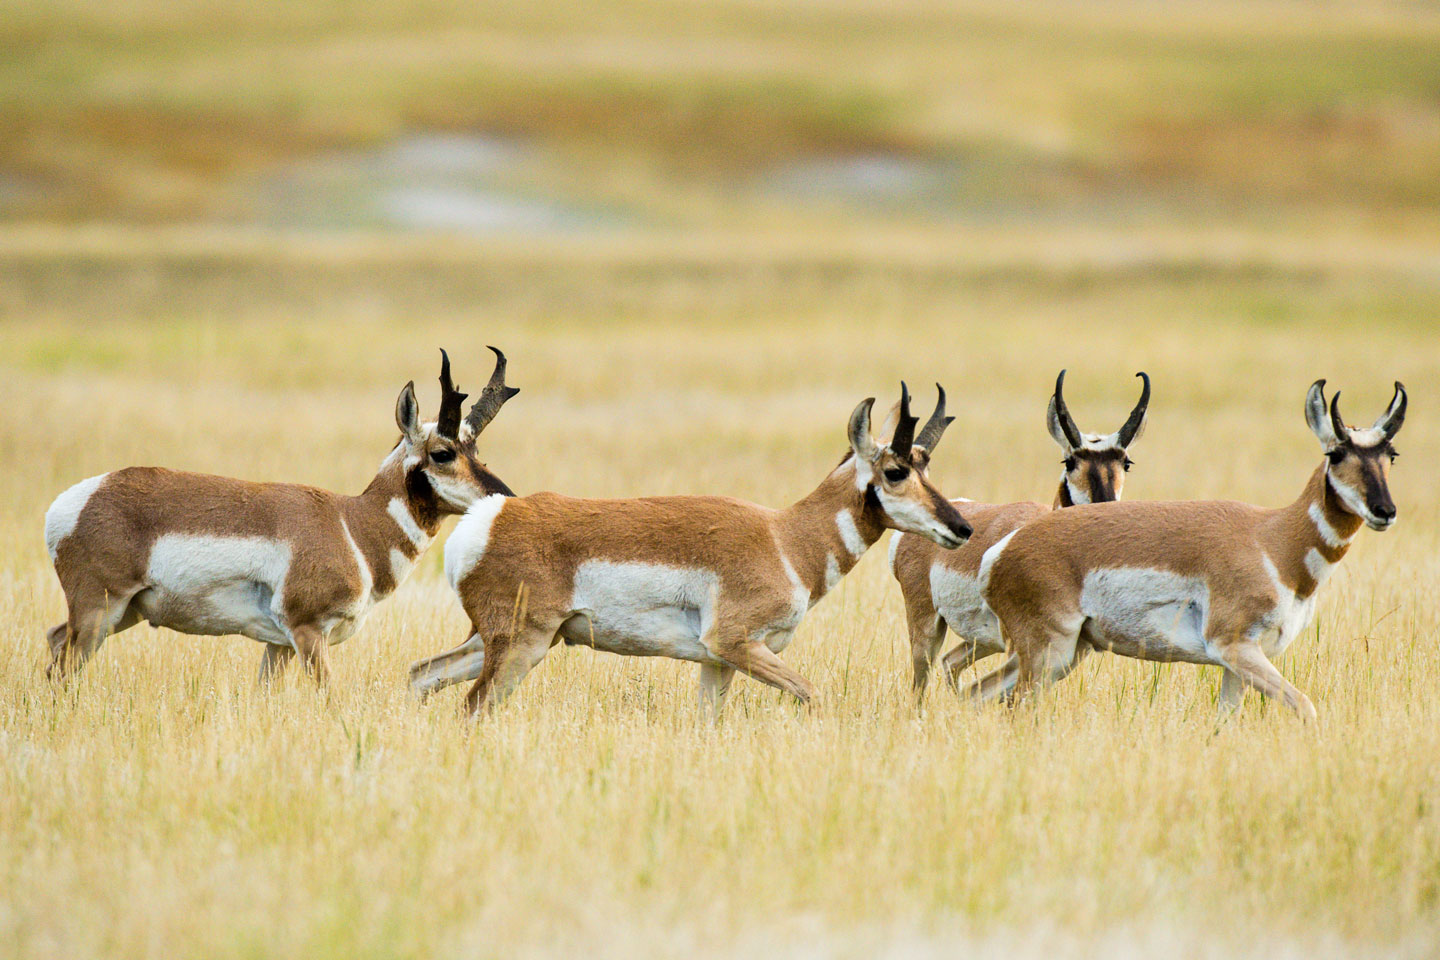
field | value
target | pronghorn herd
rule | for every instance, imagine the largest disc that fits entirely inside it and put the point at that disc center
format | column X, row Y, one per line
column 722, row 582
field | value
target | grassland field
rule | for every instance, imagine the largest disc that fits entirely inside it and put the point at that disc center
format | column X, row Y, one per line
column 1236, row 198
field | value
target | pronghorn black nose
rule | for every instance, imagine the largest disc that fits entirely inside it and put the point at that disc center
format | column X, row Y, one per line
column 1383, row 511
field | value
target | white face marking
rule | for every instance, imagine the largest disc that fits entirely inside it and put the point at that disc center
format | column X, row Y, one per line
column 400, row 512
column 64, row 512
column 212, row 586
column 457, row 495
column 850, row 534
column 642, row 609
column 466, row 545
column 1322, row 526
column 911, row 517
column 1149, row 614
column 958, row 599
column 1077, row 496
column 1355, row 503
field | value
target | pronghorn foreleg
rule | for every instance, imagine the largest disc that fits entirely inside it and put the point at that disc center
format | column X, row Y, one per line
column 714, row 685
column 508, row 658
column 456, row 665
column 754, row 659
column 927, row 633
column 964, row 656
column 1256, row 670
column 273, row 663
column 94, row 615
column 310, row 645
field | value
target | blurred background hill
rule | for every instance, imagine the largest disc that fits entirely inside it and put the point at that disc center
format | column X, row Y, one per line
column 553, row 116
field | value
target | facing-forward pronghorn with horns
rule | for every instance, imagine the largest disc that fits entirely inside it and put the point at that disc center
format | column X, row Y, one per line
column 942, row 587
column 713, row 580
column 1208, row 582
column 292, row 566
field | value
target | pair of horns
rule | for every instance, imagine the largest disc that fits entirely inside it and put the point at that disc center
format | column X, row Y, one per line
column 492, row 398
column 1389, row 422
column 905, row 439
column 1127, row 432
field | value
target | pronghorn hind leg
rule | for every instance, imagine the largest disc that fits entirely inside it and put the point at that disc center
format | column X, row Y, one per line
column 1256, row 670
column 273, row 663
column 963, row 656
column 998, row 684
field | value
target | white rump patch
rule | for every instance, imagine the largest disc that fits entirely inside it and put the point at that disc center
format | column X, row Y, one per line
column 64, row 512
column 400, row 512
column 643, row 609
column 466, row 546
column 850, row 534
column 213, row 586
column 1149, row 614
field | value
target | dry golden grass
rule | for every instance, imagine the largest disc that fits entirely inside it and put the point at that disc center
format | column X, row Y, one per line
column 160, row 806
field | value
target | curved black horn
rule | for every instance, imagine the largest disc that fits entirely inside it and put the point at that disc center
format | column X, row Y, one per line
column 904, row 436
column 934, row 428
column 1394, row 416
column 1137, row 416
column 1342, row 432
column 492, row 398
column 448, row 423
column 1062, row 414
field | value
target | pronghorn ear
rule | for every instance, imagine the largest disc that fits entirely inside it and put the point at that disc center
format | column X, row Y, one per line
column 1317, row 415
column 407, row 414
column 860, row 440
column 891, row 421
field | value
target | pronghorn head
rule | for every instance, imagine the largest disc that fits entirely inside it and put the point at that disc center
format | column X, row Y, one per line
column 1095, row 465
column 892, row 475
column 440, row 456
column 1358, row 460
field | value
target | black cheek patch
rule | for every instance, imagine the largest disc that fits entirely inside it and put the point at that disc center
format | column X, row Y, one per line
column 422, row 498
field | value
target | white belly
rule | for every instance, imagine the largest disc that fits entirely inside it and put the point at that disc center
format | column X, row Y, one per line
column 642, row 609
column 958, row 599
column 217, row 585
column 1148, row 614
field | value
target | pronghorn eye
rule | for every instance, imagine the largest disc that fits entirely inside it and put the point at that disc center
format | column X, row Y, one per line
column 896, row 474
column 1392, row 453
column 1070, row 463
column 1336, row 455
column 1128, row 464
column 443, row 455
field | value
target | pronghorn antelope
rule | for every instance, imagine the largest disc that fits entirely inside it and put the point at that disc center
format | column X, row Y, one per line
column 712, row 580
column 942, row 588
column 292, row 566
column 1202, row 582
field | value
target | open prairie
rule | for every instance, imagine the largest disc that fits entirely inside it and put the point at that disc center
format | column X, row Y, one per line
column 703, row 232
